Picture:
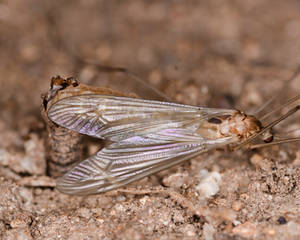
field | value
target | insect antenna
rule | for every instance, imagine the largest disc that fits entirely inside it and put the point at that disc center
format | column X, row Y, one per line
column 276, row 96
column 266, row 128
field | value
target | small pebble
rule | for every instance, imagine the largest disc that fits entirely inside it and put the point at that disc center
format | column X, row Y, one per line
column 176, row 180
column 296, row 161
column 84, row 212
column 237, row 205
column 246, row 230
column 270, row 231
column 37, row 181
column 236, row 222
column 256, row 160
column 144, row 200
column 227, row 214
column 244, row 196
column 281, row 220
column 189, row 230
column 209, row 185
column 21, row 220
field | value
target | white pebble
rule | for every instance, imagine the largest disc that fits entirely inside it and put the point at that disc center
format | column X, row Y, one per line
column 209, row 185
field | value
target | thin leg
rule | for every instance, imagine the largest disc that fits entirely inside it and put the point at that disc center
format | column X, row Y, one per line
column 275, row 97
column 270, row 125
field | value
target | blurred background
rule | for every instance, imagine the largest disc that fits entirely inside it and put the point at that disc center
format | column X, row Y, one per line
column 196, row 52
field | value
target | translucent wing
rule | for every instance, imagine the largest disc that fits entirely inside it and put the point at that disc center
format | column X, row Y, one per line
column 134, row 158
column 146, row 137
column 117, row 118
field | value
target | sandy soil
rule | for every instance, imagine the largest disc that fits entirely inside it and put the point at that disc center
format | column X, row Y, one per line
column 207, row 53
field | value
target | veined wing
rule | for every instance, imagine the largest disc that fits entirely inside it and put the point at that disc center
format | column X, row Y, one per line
column 117, row 118
column 134, row 158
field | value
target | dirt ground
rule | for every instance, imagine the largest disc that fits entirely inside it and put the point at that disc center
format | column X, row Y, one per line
column 207, row 53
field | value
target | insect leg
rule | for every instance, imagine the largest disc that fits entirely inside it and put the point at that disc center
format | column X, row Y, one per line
column 273, row 99
column 275, row 143
column 270, row 125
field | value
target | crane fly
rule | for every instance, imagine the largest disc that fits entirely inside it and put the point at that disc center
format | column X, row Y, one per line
column 142, row 137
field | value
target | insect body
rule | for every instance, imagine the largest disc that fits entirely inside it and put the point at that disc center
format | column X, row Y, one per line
column 143, row 136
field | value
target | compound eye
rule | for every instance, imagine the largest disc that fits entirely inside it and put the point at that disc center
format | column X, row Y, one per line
column 269, row 139
column 268, row 136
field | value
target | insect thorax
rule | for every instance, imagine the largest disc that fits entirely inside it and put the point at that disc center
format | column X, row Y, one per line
column 240, row 125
